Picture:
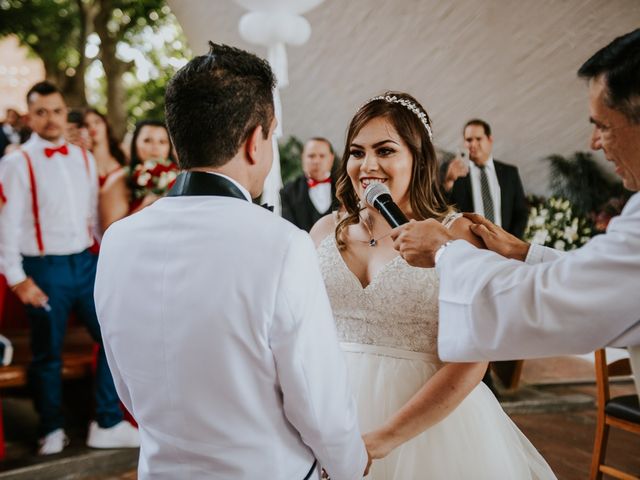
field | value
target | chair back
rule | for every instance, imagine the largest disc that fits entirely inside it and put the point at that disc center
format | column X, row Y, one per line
column 604, row 371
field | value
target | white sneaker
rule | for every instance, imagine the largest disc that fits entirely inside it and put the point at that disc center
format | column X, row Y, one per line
column 121, row 435
column 53, row 442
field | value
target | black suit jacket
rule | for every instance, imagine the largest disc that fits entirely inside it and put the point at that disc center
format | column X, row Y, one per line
column 298, row 208
column 514, row 210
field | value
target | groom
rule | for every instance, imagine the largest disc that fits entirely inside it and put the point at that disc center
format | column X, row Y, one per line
column 213, row 311
column 548, row 303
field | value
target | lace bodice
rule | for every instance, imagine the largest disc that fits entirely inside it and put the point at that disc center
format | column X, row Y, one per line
column 398, row 309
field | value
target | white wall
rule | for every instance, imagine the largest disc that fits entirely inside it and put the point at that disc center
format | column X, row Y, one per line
column 512, row 63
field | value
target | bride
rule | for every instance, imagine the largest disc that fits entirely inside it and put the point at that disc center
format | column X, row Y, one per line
column 425, row 419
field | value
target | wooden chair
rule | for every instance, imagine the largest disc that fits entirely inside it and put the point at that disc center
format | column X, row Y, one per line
column 620, row 412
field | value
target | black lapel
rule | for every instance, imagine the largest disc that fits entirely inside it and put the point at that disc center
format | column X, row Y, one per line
column 203, row 183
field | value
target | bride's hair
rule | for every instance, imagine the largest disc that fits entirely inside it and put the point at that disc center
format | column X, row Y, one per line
column 408, row 118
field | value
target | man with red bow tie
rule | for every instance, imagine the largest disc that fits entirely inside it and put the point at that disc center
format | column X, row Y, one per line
column 45, row 233
column 312, row 195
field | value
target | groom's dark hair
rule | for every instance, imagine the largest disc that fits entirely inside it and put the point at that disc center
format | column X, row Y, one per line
column 215, row 102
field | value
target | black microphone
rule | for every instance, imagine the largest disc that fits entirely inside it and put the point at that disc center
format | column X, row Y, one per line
column 378, row 196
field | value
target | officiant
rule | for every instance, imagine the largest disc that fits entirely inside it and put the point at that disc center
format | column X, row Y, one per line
column 538, row 301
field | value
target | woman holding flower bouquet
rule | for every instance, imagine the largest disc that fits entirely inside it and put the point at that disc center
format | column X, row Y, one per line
column 151, row 173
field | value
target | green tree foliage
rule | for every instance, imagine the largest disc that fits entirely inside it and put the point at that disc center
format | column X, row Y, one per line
column 57, row 32
column 290, row 151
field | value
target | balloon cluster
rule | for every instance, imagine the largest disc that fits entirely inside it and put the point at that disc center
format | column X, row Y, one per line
column 273, row 24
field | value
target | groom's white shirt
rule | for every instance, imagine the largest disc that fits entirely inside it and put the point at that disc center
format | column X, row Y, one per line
column 492, row 308
column 221, row 341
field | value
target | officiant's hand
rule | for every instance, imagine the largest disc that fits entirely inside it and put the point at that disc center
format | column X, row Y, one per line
column 497, row 239
column 418, row 242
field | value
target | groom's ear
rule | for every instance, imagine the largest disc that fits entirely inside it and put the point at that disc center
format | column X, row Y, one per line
column 251, row 145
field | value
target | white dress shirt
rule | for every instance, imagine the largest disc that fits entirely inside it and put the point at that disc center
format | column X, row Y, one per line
column 494, row 188
column 493, row 308
column 320, row 196
column 67, row 194
column 221, row 341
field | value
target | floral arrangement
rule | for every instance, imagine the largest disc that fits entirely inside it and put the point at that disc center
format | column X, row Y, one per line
column 553, row 223
column 153, row 176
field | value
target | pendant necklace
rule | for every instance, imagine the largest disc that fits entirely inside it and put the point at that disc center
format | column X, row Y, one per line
column 373, row 241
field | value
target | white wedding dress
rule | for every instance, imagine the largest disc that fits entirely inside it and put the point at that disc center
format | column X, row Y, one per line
column 389, row 334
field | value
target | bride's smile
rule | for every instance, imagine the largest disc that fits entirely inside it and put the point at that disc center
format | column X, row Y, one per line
column 378, row 154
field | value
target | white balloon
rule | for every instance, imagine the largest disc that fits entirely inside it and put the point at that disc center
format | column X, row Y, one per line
column 272, row 28
column 297, row 7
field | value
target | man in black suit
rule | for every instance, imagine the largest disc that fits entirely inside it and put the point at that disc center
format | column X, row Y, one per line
column 493, row 189
column 313, row 194
column 487, row 186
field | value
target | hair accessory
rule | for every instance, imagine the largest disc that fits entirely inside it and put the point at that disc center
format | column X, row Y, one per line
column 409, row 106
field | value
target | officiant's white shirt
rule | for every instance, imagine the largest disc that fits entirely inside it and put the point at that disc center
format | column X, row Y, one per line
column 221, row 341
column 492, row 308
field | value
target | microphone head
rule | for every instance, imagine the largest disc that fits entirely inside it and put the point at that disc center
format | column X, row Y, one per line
column 373, row 191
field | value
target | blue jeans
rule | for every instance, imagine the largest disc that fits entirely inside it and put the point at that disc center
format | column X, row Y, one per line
column 68, row 282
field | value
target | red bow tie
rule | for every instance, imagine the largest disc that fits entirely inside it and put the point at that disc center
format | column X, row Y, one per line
column 313, row 183
column 62, row 150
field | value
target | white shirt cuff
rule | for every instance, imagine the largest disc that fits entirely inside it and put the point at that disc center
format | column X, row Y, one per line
column 535, row 254
column 15, row 276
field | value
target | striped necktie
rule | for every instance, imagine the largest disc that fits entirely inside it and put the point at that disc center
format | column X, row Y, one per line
column 487, row 201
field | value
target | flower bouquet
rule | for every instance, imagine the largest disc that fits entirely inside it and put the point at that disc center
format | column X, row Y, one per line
column 553, row 223
column 153, row 176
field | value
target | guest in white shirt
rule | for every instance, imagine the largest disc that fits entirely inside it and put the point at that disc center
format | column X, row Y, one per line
column 313, row 194
column 496, row 308
column 45, row 231
column 216, row 322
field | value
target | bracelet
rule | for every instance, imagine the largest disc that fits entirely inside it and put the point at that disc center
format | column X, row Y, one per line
column 440, row 250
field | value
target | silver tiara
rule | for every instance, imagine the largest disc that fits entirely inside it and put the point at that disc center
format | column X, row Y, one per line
column 408, row 105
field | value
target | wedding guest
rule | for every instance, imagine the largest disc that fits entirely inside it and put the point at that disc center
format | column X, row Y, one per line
column 45, row 233
column 313, row 194
column 104, row 147
column 10, row 131
column 123, row 196
column 205, row 278
column 422, row 415
column 76, row 131
column 539, row 301
column 485, row 185
column 110, row 161
column 150, row 141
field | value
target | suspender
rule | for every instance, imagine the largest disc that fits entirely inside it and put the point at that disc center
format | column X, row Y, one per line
column 34, row 196
column 34, row 203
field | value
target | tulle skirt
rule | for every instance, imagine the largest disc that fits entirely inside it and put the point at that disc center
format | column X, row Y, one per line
column 476, row 441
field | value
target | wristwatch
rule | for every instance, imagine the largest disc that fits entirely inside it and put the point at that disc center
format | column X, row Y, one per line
column 440, row 250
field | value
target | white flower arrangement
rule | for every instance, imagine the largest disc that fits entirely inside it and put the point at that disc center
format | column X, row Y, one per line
column 553, row 223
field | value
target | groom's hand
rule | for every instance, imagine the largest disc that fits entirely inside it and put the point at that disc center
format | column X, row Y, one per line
column 497, row 239
column 369, row 461
column 418, row 242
